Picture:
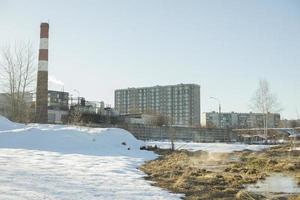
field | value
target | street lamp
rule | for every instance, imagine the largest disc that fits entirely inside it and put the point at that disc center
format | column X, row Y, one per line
column 78, row 93
column 218, row 102
column 219, row 109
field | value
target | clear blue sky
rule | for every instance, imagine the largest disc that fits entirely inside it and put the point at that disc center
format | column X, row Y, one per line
column 225, row 46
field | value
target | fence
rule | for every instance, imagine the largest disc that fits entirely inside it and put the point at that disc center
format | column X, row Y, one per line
column 143, row 132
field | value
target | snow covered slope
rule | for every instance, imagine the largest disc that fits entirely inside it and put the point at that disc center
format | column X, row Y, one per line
column 74, row 140
column 5, row 124
column 71, row 139
column 67, row 162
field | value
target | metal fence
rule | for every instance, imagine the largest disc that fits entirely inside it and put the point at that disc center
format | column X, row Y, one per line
column 143, row 132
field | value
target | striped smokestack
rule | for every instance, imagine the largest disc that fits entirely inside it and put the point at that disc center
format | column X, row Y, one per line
column 42, row 77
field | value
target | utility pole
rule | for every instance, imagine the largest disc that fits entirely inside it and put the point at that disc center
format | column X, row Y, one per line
column 219, row 102
column 78, row 93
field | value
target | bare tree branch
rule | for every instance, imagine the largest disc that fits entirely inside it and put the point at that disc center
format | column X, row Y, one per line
column 17, row 77
column 265, row 101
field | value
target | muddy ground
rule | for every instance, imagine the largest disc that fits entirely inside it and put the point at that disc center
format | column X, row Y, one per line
column 202, row 175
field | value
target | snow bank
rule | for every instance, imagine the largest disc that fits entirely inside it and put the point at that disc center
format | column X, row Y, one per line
column 5, row 124
column 67, row 162
column 71, row 140
column 209, row 147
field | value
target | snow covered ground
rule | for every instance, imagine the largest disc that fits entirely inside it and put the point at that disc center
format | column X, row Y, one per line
column 5, row 124
column 67, row 162
column 209, row 147
column 64, row 162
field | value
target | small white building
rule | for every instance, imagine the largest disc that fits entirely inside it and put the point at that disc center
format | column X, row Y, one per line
column 57, row 116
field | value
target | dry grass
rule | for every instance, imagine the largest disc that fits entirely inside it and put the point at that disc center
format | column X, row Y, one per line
column 191, row 173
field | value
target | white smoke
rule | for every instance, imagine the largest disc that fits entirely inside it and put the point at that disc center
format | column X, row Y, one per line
column 55, row 84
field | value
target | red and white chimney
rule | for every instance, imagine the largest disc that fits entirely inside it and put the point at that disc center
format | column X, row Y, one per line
column 42, row 76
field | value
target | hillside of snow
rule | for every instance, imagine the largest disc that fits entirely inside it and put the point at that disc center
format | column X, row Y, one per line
column 73, row 140
column 67, row 162
column 5, row 124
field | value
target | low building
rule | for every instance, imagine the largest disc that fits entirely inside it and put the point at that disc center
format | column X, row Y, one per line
column 252, row 139
column 57, row 116
column 239, row 120
column 140, row 119
column 96, row 107
column 108, row 111
column 58, row 106
column 89, row 107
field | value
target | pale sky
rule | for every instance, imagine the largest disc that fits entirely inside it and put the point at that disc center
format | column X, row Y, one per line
column 98, row 46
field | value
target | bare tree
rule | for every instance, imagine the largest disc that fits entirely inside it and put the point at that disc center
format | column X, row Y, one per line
column 265, row 101
column 75, row 115
column 159, row 120
column 162, row 120
column 17, row 75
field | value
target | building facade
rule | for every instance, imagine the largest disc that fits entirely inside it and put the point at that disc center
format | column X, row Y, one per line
column 58, row 106
column 180, row 104
column 238, row 120
column 96, row 107
column 58, row 100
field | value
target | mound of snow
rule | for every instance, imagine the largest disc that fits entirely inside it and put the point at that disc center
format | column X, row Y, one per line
column 72, row 140
column 5, row 124
column 67, row 162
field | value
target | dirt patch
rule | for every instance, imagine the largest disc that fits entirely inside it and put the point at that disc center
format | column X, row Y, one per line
column 202, row 175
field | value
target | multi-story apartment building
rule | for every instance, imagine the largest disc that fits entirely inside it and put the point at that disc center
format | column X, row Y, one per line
column 238, row 120
column 180, row 104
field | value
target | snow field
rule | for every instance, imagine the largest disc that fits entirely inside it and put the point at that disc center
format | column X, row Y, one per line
column 54, row 162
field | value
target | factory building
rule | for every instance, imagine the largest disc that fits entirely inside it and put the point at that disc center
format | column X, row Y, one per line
column 58, row 106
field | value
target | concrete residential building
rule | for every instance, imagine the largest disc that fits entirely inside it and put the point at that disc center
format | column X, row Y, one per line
column 179, row 103
column 238, row 120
